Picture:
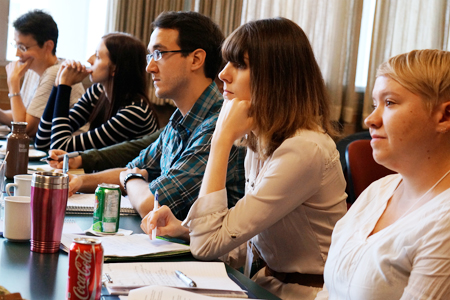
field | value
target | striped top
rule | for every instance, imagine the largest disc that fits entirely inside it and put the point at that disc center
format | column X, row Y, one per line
column 57, row 126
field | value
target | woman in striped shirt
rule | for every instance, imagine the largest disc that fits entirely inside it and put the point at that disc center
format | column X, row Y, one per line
column 116, row 106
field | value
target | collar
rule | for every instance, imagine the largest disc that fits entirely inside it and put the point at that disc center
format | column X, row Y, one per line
column 209, row 102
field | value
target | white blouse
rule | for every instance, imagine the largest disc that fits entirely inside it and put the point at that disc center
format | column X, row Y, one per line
column 292, row 203
column 410, row 259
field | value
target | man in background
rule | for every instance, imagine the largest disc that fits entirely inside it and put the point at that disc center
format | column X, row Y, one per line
column 184, row 60
column 36, row 37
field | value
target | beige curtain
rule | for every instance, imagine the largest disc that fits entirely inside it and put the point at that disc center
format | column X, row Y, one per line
column 404, row 25
column 136, row 17
column 225, row 13
column 333, row 29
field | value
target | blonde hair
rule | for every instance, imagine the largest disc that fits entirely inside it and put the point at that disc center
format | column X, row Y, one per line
column 422, row 72
column 287, row 88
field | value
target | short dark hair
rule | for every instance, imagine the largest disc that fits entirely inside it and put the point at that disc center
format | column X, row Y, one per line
column 195, row 31
column 39, row 25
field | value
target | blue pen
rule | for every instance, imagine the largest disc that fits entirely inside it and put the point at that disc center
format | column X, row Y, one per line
column 155, row 208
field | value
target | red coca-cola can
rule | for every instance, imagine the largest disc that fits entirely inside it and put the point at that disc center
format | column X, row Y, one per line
column 85, row 269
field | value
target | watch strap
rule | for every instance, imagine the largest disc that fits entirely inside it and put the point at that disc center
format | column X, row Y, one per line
column 132, row 176
column 13, row 95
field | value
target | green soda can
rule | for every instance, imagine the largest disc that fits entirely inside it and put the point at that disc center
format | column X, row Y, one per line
column 107, row 208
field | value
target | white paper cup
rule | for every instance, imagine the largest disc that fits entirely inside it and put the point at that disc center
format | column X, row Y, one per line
column 22, row 185
column 17, row 226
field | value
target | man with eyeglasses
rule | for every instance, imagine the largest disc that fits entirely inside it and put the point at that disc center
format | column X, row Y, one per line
column 184, row 60
column 35, row 36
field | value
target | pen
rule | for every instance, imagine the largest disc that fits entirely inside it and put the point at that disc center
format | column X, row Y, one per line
column 61, row 157
column 66, row 164
column 189, row 282
column 108, row 278
column 155, row 208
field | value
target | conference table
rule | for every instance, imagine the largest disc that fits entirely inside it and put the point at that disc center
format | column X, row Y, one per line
column 39, row 276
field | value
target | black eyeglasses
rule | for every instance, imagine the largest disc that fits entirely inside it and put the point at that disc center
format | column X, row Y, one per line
column 157, row 55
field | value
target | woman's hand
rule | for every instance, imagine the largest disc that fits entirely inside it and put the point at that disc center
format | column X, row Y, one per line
column 234, row 121
column 72, row 72
column 74, row 162
column 14, row 72
column 165, row 221
column 58, row 75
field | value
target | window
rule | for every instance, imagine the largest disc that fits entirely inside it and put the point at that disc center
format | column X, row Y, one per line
column 81, row 24
column 365, row 41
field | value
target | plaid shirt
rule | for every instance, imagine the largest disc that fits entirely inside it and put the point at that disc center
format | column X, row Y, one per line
column 176, row 161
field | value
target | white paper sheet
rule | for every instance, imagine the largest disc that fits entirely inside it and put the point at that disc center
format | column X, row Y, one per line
column 166, row 293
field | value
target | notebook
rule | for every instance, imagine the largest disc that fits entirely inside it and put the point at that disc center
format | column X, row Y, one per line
column 211, row 278
column 83, row 204
column 131, row 247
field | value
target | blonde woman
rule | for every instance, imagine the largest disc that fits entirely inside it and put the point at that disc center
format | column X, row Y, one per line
column 394, row 241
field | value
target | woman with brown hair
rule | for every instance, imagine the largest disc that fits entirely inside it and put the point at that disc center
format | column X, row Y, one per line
column 276, row 105
column 116, row 106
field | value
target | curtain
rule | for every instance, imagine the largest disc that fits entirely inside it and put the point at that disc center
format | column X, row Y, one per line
column 225, row 13
column 333, row 29
column 136, row 17
column 401, row 26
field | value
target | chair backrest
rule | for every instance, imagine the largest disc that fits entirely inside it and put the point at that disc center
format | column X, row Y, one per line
column 362, row 169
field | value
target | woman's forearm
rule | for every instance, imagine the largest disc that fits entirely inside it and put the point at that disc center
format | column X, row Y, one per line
column 216, row 169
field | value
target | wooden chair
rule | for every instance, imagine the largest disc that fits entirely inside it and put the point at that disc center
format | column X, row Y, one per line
column 362, row 169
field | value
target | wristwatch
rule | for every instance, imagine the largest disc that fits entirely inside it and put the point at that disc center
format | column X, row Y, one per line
column 132, row 176
column 13, row 95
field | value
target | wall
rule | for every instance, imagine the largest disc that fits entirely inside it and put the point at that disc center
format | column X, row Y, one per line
column 4, row 100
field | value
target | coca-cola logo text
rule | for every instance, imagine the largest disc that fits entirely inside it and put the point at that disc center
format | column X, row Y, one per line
column 83, row 266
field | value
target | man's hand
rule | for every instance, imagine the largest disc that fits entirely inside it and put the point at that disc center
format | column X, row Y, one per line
column 14, row 72
column 124, row 174
column 75, row 183
column 74, row 162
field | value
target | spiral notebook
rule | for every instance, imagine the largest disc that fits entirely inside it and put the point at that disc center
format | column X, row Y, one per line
column 83, row 204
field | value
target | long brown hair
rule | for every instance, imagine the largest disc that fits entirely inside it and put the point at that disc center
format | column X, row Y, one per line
column 129, row 83
column 287, row 88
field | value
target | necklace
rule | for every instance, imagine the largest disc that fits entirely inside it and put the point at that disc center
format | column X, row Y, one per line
column 423, row 196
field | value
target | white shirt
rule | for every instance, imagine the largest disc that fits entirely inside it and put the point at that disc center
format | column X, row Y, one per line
column 292, row 203
column 410, row 259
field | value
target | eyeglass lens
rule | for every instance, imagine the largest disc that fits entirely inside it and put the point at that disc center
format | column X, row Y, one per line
column 156, row 55
column 20, row 47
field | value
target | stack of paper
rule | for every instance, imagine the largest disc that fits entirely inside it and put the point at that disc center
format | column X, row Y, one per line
column 134, row 246
column 210, row 277
column 155, row 292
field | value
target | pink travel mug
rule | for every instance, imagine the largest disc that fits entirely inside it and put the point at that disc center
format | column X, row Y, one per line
column 49, row 193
